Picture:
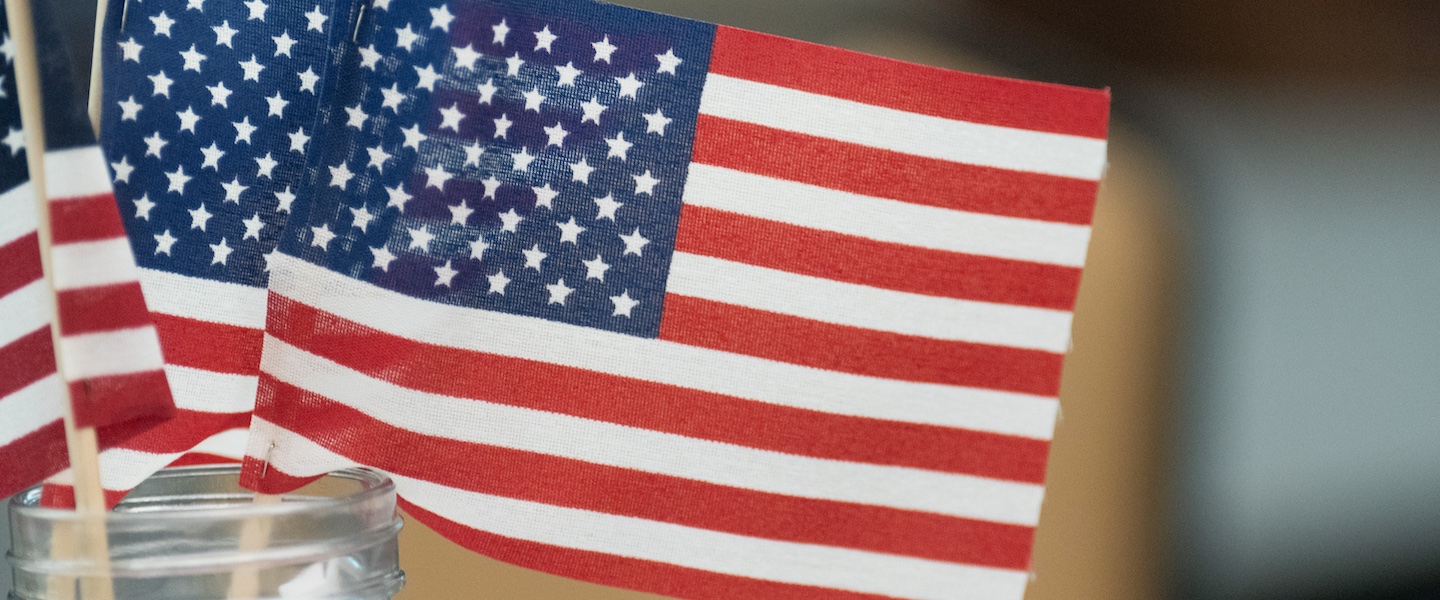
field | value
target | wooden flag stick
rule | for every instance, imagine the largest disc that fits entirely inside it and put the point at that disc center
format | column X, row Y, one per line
column 83, row 443
column 97, row 79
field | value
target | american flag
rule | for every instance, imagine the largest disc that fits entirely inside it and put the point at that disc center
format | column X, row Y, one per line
column 678, row 308
column 109, row 352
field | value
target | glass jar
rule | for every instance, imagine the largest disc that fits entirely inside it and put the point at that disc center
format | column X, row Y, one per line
column 193, row 533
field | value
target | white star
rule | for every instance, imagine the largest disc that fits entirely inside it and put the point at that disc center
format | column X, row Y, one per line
column 568, row 73
column 624, row 304
column 581, row 171
column 257, row 9
column 668, row 61
column 220, row 252
column 619, row 148
column 383, row 257
column 162, row 24
column 604, row 49
column 440, row 18
column 270, row 259
column 122, row 169
column 570, row 232
column 436, row 177
column 161, row 82
column 357, row 116
column 164, row 242
column 283, row 43
column 225, row 34
column 413, row 137
column 233, row 190
column 523, row 158
column 559, row 292
column 405, row 38
column 460, row 213
column 487, row 92
column 502, row 127
column 277, row 105
column 510, row 221
column 634, row 243
column 392, row 97
column 188, row 119
column 285, row 198
column 298, row 140
column 534, row 257
column 656, row 122
column 243, row 130
column 195, row 5
column 219, row 94
column 513, row 64
column 15, row 139
column 473, row 152
column 534, row 99
column 451, row 117
column 308, row 79
column 369, row 57
column 362, row 218
column 382, row 4
column 629, row 86
column 128, row 48
column 478, row 248
column 253, row 226
column 378, row 158
column 544, row 40
column 398, row 198
column 213, row 154
column 593, row 109
column 428, row 77
column 557, row 135
column 143, row 206
column 498, row 281
column 340, row 176
column 545, row 196
column 178, row 179
column 607, row 206
column 252, row 69
column 466, row 57
column 492, row 187
column 199, row 217
column 192, row 59
column 444, row 274
column 7, row 47
column 420, row 238
column 645, row 183
column 501, row 31
column 316, row 20
column 154, row 144
column 322, row 236
column 265, row 167
column 129, row 109
column 595, row 269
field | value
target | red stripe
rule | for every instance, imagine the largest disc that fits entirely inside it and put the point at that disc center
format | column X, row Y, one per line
column 57, row 495
column 32, row 458
column 795, row 340
column 26, row 360
column 559, row 481
column 209, row 346
column 85, row 219
column 187, row 429
column 880, row 173
column 190, row 459
column 852, row 259
column 655, row 406
column 20, row 263
column 102, row 308
column 618, row 571
column 115, row 399
column 910, row 87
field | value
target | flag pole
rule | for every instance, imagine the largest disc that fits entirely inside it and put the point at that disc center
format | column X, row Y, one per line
column 97, row 81
column 83, row 443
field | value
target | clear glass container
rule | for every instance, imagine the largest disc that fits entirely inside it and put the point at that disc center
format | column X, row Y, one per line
column 193, row 533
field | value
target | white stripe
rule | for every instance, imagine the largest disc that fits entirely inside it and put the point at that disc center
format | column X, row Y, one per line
column 76, row 173
column 663, row 362
column 598, row 442
column 122, row 469
column 24, row 310
column 31, row 407
column 203, row 299
column 118, row 352
column 703, row 549
column 89, row 264
column 868, row 307
column 208, row 391
column 921, row 135
column 17, row 213
column 886, row 220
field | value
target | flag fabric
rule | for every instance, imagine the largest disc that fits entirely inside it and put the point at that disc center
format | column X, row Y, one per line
column 684, row 309
column 109, row 351
column 209, row 107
